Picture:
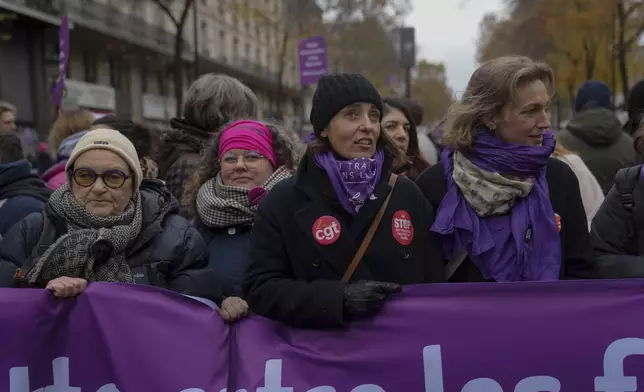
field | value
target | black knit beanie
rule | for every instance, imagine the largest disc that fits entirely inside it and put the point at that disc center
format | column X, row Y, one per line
column 336, row 91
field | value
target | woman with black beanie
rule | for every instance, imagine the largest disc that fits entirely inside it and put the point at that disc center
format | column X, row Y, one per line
column 333, row 243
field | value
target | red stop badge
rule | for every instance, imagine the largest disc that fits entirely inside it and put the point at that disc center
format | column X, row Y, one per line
column 402, row 228
column 326, row 230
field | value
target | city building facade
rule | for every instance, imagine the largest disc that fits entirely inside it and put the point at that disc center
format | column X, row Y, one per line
column 122, row 55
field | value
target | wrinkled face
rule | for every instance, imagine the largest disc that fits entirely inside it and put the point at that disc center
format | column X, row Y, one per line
column 244, row 168
column 94, row 171
column 8, row 121
column 354, row 131
column 397, row 127
column 526, row 119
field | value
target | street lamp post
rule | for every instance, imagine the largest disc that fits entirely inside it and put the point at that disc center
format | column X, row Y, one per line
column 407, row 55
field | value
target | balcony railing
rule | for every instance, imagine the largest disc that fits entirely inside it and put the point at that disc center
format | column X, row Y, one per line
column 112, row 21
column 50, row 7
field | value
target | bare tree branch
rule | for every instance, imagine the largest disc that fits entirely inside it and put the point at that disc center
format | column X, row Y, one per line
column 166, row 9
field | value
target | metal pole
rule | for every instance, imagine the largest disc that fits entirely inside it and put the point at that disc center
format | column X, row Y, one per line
column 613, row 57
column 195, row 29
column 408, row 83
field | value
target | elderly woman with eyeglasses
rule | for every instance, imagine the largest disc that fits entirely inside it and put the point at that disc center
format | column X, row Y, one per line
column 106, row 224
column 241, row 164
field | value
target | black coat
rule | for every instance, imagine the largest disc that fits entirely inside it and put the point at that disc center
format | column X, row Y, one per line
column 167, row 253
column 617, row 235
column 294, row 279
column 227, row 254
column 577, row 259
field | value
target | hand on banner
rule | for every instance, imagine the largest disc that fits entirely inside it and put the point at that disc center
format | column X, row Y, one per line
column 233, row 309
column 366, row 298
column 66, row 287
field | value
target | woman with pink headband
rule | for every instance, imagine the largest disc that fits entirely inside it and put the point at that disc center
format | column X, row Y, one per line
column 241, row 164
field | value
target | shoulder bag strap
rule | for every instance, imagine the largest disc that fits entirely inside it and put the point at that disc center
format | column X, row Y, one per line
column 357, row 258
column 453, row 265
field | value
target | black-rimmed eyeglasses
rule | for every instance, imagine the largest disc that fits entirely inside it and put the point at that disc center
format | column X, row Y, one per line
column 86, row 177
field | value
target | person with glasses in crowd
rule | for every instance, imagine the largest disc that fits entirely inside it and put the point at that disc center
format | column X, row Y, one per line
column 240, row 165
column 106, row 224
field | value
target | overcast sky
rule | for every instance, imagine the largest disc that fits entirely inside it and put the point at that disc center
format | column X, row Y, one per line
column 446, row 31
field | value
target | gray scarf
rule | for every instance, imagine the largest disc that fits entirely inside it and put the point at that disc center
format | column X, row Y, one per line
column 94, row 247
column 486, row 192
column 219, row 205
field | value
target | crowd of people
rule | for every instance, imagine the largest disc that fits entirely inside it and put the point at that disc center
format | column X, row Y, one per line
column 320, row 233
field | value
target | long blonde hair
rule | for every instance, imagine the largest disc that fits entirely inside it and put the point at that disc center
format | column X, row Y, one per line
column 560, row 151
column 492, row 86
column 67, row 124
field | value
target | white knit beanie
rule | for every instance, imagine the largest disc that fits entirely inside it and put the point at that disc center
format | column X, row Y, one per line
column 108, row 139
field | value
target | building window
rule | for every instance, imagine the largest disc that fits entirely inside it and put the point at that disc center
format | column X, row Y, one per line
column 235, row 47
column 163, row 88
column 115, row 75
column 247, row 50
column 144, row 79
column 258, row 56
column 91, row 67
column 204, row 36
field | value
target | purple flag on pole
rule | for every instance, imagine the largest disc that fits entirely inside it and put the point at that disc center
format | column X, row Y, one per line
column 63, row 42
column 313, row 60
column 514, row 337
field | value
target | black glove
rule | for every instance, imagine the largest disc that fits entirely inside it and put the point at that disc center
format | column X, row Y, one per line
column 365, row 298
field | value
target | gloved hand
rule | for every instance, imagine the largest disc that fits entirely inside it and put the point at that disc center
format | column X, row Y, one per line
column 365, row 298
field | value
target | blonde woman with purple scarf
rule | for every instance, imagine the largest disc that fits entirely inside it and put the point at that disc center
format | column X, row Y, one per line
column 333, row 243
column 506, row 210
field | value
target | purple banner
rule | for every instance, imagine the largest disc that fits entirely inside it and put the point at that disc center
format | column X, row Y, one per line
column 523, row 337
column 313, row 60
column 63, row 57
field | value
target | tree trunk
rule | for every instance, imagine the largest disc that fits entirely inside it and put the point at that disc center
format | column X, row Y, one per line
column 571, row 92
column 621, row 48
column 590, row 59
column 280, row 74
column 178, row 68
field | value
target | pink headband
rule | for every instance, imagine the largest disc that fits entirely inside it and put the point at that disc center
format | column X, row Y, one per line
column 247, row 135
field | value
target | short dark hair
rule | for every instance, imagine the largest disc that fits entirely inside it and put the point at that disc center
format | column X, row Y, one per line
column 10, row 148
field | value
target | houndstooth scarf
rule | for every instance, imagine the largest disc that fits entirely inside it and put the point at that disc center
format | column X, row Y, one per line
column 94, row 247
column 219, row 205
column 486, row 192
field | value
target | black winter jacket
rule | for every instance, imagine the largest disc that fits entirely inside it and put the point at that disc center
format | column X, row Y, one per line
column 180, row 154
column 617, row 234
column 294, row 279
column 577, row 259
column 168, row 252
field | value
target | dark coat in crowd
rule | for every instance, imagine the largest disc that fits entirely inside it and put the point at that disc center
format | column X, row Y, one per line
column 577, row 259
column 179, row 154
column 617, row 233
column 293, row 278
column 168, row 252
column 596, row 135
column 21, row 193
column 228, row 250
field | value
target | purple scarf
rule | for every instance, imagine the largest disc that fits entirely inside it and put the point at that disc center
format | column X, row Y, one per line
column 353, row 180
column 523, row 245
